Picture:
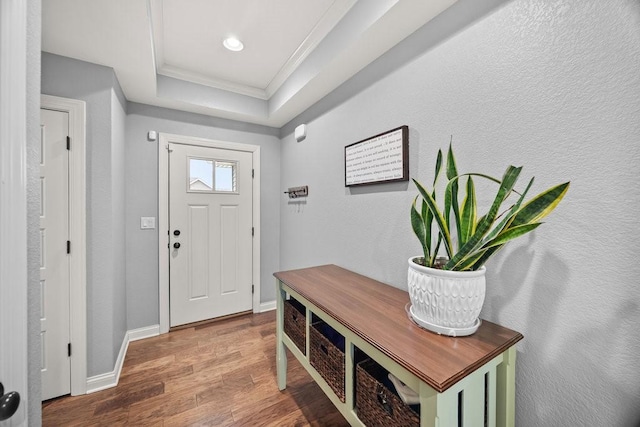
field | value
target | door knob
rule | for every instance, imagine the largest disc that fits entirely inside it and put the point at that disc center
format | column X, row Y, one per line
column 8, row 403
column 176, row 245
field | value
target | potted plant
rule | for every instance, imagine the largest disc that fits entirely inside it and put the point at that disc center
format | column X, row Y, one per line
column 447, row 292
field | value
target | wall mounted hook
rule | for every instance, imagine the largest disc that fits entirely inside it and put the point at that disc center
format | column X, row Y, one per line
column 295, row 192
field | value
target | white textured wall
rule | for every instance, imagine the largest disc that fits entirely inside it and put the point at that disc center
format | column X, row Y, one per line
column 553, row 86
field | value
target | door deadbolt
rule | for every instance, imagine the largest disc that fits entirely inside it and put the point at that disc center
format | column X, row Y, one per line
column 176, row 232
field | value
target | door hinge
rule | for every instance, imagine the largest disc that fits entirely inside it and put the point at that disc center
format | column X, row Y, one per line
column 68, row 246
column 69, row 349
column 253, row 171
column 253, row 289
column 68, row 143
column 253, row 231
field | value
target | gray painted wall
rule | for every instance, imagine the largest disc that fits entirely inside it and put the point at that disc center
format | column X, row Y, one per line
column 122, row 267
column 553, row 86
column 34, row 392
column 94, row 84
column 118, row 142
column 142, row 198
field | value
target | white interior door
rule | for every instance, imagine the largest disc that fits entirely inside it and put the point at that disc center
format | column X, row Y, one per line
column 54, row 260
column 210, row 232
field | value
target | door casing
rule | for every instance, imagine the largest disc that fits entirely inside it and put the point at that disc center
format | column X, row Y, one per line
column 77, row 236
column 163, row 215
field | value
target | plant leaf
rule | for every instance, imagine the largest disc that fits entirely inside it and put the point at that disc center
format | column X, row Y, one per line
column 508, row 181
column 511, row 233
column 452, row 192
column 452, row 169
column 447, row 204
column 469, row 213
column 426, row 213
column 496, row 247
column 437, row 215
column 438, row 166
column 469, row 262
column 485, row 256
column 432, row 261
column 419, row 229
column 541, row 205
column 429, row 215
column 448, row 198
column 506, row 221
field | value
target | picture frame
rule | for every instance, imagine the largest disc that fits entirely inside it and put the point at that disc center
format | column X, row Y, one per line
column 378, row 159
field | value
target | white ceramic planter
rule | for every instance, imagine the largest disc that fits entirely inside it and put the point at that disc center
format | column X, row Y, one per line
column 446, row 302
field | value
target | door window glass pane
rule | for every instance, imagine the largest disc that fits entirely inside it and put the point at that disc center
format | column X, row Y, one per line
column 212, row 176
column 225, row 176
column 200, row 175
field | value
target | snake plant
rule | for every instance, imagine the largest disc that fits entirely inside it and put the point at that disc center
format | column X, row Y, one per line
column 478, row 237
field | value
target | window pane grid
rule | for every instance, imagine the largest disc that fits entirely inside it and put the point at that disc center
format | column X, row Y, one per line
column 225, row 176
column 212, row 176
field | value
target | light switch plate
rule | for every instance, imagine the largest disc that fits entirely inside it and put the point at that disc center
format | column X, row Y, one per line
column 147, row 222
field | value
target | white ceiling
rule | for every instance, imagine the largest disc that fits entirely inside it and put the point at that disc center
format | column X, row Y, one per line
column 169, row 53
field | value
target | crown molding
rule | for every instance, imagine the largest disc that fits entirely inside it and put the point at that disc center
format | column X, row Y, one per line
column 329, row 20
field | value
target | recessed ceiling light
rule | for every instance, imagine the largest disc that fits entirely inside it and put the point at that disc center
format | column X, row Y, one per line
column 233, row 44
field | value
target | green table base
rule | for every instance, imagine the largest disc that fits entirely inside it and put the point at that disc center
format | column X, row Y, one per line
column 436, row 409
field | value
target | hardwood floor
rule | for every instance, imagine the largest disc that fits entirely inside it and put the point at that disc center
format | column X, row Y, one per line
column 220, row 374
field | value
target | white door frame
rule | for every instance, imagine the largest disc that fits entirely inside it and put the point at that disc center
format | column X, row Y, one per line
column 13, row 204
column 163, row 215
column 77, row 236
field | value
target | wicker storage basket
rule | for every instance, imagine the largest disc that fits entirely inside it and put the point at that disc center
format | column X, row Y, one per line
column 327, row 358
column 376, row 404
column 295, row 323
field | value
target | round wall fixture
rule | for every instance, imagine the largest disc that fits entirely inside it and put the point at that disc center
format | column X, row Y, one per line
column 234, row 44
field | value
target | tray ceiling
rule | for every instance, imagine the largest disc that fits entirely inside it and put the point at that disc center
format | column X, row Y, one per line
column 169, row 53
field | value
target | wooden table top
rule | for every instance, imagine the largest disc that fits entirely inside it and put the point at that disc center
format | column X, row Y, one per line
column 376, row 313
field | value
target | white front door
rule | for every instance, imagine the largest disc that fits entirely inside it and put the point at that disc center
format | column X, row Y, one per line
column 210, row 232
column 54, row 259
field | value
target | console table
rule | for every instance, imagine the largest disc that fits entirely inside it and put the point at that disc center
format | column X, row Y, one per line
column 460, row 381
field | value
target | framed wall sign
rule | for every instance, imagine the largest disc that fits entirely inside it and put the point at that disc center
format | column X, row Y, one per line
column 380, row 158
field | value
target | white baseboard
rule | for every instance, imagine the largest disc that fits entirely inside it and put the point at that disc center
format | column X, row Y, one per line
column 267, row 306
column 142, row 333
column 110, row 379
